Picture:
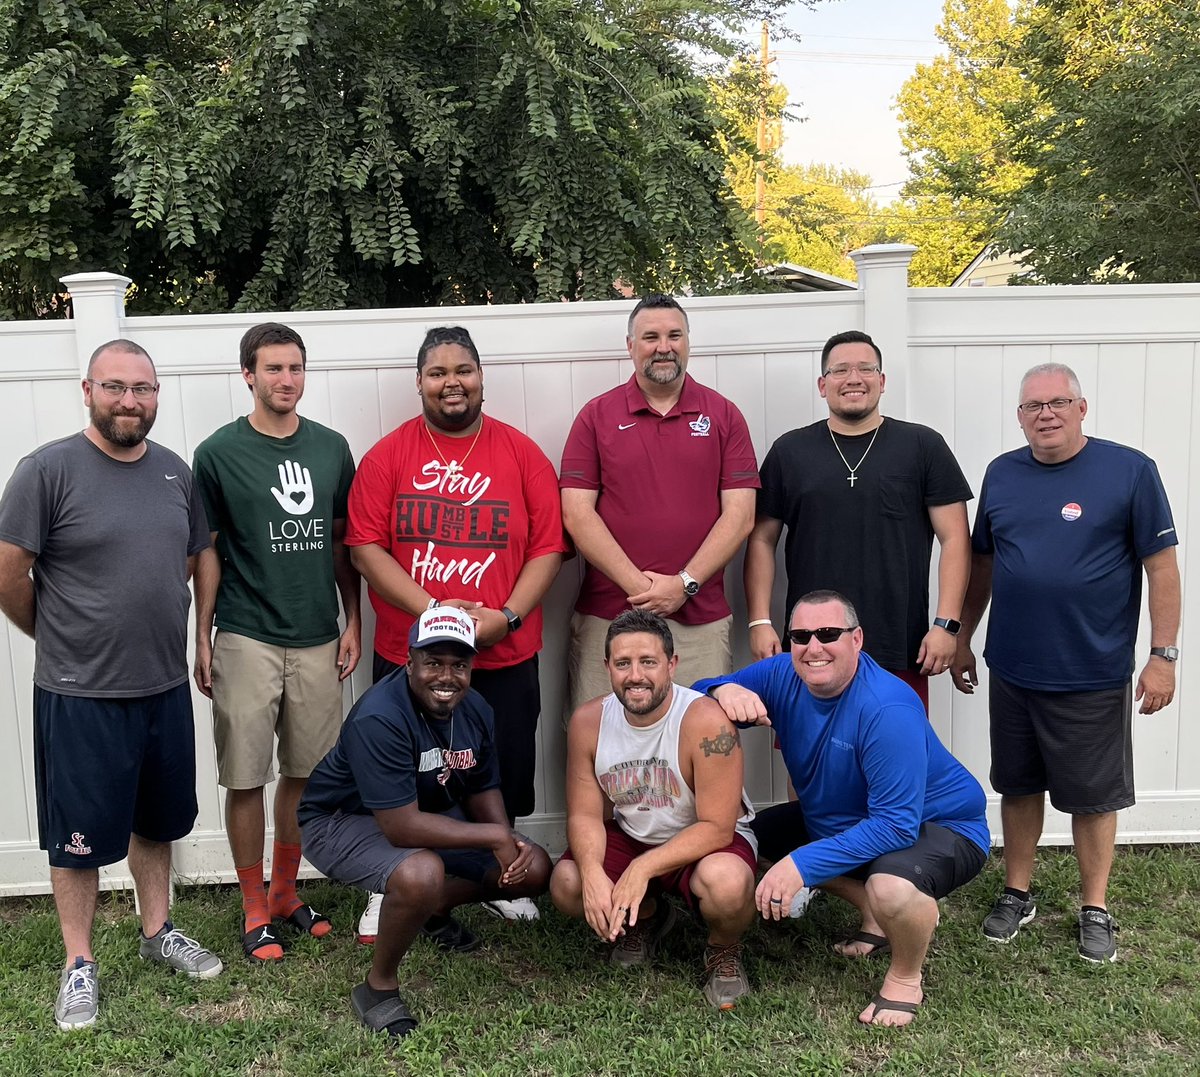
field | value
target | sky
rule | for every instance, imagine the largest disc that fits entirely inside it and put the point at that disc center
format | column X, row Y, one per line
column 843, row 76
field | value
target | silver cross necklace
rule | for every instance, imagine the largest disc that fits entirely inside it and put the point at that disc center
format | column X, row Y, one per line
column 853, row 476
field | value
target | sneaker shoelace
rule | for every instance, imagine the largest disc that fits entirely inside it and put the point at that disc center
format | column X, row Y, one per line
column 632, row 941
column 176, row 942
column 724, row 961
column 81, row 984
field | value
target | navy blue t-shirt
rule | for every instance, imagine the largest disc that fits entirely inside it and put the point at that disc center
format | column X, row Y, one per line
column 1067, row 543
column 389, row 755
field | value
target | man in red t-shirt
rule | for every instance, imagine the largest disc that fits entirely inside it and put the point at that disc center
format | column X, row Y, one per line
column 457, row 508
column 658, row 486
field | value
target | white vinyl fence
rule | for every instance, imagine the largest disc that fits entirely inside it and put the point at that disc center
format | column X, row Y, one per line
column 953, row 360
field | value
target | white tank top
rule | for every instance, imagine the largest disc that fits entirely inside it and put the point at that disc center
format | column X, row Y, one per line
column 639, row 771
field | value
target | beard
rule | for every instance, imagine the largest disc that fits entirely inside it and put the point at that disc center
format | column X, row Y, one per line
column 455, row 421
column 124, row 436
column 653, row 703
column 662, row 376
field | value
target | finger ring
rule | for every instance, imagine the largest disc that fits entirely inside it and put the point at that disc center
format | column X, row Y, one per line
column 776, row 901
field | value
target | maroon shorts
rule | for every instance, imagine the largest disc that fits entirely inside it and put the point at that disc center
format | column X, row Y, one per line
column 621, row 850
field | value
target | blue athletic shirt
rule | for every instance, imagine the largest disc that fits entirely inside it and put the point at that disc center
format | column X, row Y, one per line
column 1067, row 543
column 867, row 766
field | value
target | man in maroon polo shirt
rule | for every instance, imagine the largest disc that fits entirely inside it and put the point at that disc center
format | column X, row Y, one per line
column 658, row 485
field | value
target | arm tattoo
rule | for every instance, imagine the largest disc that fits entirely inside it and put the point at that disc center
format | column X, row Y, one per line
column 722, row 744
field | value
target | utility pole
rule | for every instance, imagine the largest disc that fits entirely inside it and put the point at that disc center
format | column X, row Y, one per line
column 760, row 178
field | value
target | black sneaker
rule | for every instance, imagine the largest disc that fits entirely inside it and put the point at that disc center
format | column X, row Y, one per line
column 452, row 936
column 1007, row 917
column 1097, row 941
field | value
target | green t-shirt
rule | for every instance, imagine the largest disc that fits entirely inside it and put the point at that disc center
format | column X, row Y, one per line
column 273, row 503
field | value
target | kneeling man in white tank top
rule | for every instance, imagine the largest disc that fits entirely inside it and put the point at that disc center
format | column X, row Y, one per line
column 655, row 806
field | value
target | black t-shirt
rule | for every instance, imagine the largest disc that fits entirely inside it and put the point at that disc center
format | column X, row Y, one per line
column 389, row 754
column 871, row 541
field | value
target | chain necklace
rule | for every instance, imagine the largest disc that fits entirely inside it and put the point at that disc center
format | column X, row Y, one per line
column 444, row 774
column 453, row 467
column 853, row 477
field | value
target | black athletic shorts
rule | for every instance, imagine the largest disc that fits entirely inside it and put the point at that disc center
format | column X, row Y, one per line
column 937, row 863
column 1076, row 745
column 109, row 768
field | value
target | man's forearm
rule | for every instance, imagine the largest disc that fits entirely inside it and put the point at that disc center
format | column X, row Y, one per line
column 689, row 845
column 758, row 573
column 388, row 580
column 954, row 573
column 349, row 584
column 532, row 584
column 979, row 591
column 18, row 603
column 205, row 584
column 587, row 840
column 726, row 535
column 1164, row 597
column 594, row 540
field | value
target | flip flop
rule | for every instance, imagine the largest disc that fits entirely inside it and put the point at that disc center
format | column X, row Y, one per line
column 390, row 1015
column 878, row 943
column 305, row 918
column 880, row 1003
column 262, row 938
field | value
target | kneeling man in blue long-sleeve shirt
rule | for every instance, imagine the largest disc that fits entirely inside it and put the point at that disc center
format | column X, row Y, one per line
column 886, row 817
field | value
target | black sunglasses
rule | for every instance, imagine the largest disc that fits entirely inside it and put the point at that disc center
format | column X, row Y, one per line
column 801, row 636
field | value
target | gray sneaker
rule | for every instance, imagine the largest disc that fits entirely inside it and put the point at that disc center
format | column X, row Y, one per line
column 637, row 945
column 174, row 949
column 78, row 1000
column 1007, row 917
column 1097, row 942
column 727, row 981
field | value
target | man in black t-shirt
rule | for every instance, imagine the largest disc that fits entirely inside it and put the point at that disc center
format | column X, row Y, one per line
column 862, row 498
column 407, row 803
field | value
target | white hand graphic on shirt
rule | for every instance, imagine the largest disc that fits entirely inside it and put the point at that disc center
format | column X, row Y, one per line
column 297, row 483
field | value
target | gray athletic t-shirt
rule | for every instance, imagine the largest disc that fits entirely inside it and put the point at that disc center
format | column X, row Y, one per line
column 112, row 541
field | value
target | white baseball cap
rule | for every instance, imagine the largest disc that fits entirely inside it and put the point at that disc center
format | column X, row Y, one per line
column 442, row 624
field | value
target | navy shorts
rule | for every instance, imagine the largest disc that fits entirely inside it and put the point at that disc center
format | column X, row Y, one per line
column 351, row 849
column 1076, row 745
column 109, row 768
column 937, row 863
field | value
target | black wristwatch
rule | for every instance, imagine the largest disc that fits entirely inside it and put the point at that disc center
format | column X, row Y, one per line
column 1171, row 654
column 949, row 624
column 514, row 622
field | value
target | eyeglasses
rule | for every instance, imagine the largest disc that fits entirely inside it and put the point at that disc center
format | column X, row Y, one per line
column 116, row 390
column 840, row 372
column 801, row 636
column 1057, row 405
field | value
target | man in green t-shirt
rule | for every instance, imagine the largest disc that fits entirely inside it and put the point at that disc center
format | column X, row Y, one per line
column 274, row 487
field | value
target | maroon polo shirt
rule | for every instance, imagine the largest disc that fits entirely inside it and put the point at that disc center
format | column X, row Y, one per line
column 660, row 479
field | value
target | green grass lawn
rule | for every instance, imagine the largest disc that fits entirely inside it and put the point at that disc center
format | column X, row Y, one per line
column 538, row 999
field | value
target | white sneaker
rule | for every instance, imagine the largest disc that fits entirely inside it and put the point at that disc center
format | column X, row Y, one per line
column 368, row 923
column 801, row 901
column 517, row 909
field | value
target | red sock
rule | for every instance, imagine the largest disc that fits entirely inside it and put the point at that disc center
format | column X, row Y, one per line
column 254, row 896
column 285, row 863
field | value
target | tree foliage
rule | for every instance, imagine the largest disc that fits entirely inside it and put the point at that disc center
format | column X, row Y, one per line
column 1114, row 152
column 957, row 116
column 813, row 215
column 285, row 154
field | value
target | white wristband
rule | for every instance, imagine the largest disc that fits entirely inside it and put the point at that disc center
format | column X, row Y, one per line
column 433, row 602
column 760, row 621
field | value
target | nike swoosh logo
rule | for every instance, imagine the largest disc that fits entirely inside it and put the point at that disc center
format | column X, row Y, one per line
column 165, row 476
column 626, row 426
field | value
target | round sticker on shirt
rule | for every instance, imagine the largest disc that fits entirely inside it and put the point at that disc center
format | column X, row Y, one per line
column 1071, row 511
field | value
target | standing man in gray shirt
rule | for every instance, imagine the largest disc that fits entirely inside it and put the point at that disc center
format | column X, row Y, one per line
column 110, row 525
